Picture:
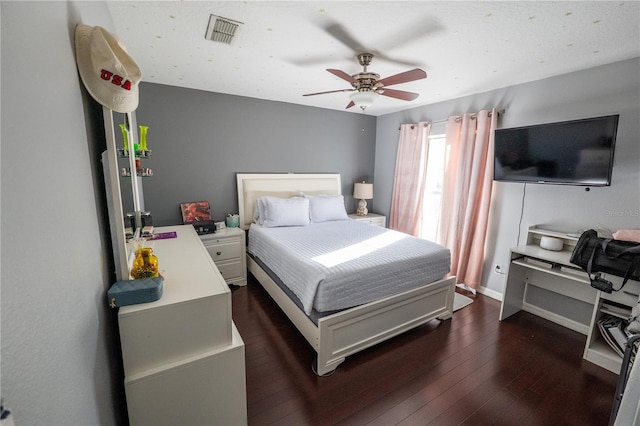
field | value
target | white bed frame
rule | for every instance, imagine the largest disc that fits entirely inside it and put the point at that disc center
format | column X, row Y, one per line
column 346, row 332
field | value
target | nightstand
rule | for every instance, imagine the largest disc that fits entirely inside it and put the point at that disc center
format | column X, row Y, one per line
column 227, row 249
column 372, row 218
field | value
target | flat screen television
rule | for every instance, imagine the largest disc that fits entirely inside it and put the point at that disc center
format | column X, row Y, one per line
column 577, row 152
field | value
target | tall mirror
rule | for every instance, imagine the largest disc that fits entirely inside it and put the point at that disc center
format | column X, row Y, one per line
column 123, row 181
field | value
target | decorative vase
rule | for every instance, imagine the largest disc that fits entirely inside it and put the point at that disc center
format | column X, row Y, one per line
column 143, row 137
column 145, row 265
column 233, row 221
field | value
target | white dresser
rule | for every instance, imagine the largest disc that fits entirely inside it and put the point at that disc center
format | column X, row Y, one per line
column 184, row 361
column 227, row 248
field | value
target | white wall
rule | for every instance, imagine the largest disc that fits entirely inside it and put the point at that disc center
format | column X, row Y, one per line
column 612, row 89
column 605, row 90
column 58, row 342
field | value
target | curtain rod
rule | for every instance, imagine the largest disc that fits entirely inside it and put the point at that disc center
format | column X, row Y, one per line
column 458, row 117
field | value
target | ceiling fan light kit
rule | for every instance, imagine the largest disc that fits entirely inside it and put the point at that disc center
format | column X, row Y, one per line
column 363, row 99
column 367, row 86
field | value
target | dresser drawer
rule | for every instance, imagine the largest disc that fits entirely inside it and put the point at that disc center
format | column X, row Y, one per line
column 224, row 251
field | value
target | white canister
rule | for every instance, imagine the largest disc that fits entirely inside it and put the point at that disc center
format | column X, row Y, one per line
column 551, row 243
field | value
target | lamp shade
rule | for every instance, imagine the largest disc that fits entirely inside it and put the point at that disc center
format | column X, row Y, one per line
column 363, row 191
column 364, row 99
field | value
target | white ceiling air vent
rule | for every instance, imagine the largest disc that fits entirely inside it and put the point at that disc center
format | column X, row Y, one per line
column 222, row 30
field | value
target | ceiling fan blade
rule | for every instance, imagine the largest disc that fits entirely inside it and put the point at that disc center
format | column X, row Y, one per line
column 343, row 75
column 411, row 32
column 330, row 91
column 311, row 60
column 342, row 35
column 398, row 94
column 403, row 77
column 408, row 63
column 350, row 105
column 423, row 26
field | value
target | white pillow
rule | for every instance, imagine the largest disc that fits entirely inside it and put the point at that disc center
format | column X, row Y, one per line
column 324, row 208
column 285, row 212
column 258, row 211
column 258, row 208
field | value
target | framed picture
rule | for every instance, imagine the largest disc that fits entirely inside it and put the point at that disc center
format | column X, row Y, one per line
column 196, row 211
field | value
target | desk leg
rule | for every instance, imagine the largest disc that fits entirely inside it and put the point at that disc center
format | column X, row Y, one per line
column 514, row 288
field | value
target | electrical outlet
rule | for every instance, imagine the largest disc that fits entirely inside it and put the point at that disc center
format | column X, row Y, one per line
column 498, row 270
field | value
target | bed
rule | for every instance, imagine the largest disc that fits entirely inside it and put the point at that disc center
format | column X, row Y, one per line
column 336, row 331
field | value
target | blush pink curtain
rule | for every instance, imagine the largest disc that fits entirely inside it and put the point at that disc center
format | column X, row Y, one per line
column 409, row 180
column 466, row 193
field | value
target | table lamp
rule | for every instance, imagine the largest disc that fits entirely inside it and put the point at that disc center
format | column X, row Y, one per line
column 362, row 191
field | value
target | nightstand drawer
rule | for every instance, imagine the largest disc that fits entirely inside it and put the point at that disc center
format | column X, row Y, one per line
column 225, row 251
column 377, row 221
column 372, row 218
column 230, row 269
column 213, row 239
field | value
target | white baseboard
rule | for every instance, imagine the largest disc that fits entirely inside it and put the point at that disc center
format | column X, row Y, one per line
column 465, row 287
column 490, row 293
column 482, row 290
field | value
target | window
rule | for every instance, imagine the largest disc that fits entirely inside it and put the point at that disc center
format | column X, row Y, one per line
column 433, row 187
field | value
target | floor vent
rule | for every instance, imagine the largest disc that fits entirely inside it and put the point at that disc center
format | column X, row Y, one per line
column 222, row 30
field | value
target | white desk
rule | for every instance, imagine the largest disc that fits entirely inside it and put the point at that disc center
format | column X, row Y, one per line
column 545, row 283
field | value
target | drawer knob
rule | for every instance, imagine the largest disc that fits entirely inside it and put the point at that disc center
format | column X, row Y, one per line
column 218, row 253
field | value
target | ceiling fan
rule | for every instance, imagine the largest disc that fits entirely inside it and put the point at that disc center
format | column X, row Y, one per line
column 367, row 86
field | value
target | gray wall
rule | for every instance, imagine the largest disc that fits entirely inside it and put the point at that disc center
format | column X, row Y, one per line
column 609, row 89
column 200, row 140
column 60, row 355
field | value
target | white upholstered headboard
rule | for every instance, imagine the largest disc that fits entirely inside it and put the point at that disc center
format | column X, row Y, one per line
column 252, row 186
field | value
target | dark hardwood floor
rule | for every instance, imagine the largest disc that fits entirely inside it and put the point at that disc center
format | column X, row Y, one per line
column 471, row 370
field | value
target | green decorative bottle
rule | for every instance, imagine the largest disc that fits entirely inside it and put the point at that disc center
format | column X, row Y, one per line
column 143, row 138
column 125, row 137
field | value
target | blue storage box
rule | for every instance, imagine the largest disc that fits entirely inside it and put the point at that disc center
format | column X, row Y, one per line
column 132, row 292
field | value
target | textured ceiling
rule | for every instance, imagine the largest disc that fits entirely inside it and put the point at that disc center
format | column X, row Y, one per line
column 284, row 48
